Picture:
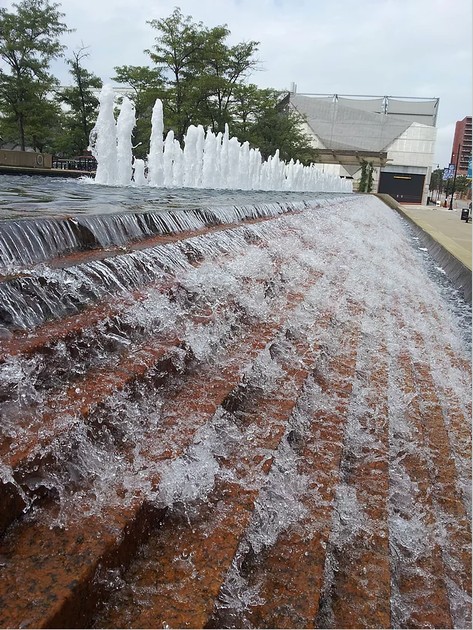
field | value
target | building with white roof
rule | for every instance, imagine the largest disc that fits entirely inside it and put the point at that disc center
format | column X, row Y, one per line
column 395, row 134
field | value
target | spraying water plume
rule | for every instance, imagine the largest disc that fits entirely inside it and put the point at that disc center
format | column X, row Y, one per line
column 207, row 160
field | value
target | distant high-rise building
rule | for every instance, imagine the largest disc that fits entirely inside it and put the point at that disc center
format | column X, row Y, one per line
column 462, row 140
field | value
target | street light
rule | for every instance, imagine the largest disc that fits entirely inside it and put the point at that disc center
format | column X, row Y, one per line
column 439, row 183
column 454, row 177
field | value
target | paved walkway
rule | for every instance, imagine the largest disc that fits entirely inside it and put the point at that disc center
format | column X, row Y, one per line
column 446, row 227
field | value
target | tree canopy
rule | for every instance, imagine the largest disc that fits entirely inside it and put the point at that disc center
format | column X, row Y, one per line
column 263, row 118
column 199, row 69
column 29, row 40
column 200, row 77
column 82, row 104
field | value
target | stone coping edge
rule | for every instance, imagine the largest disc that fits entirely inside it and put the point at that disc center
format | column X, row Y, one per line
column 456, row 271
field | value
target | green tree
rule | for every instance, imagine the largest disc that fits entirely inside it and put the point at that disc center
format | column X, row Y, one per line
column 223, row 70
column 200, row 71
column 29, row 40
column 462, row 184
column 82, row 104
column 179, row 44
column 436, row 180
column 45, row 123
column 366, row 180
column 263, row 118
column 202, row 80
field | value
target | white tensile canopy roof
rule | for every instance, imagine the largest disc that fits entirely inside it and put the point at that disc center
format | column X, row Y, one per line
column 351, row 128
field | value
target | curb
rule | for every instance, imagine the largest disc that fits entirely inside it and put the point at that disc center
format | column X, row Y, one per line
column 456, row 271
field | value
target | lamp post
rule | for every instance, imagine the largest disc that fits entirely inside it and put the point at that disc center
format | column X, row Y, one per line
column 447, row 183
column 454, row 177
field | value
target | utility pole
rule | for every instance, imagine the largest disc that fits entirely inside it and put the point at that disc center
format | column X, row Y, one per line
column 439, row 183
column 455, row 177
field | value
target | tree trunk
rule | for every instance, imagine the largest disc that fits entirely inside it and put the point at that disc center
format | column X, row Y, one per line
column 21, row 127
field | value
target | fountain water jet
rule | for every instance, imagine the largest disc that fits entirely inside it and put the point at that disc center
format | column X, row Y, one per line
column 155, row 157
column 208, row 160
column 125, row 123
column 103, row 140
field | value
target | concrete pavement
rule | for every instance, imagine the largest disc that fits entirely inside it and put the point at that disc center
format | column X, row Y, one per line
column 446, row 227
column 446, row 236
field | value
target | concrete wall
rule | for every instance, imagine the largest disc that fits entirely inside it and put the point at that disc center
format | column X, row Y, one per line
column 414, row 149
column 28, row 159
column 457, row 272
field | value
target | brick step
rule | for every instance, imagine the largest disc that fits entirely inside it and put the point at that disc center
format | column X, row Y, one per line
column 175, row 579
column 28, row 418
column 359, row 565
column 457, row 415
column 39, row 428
column 312, row 471
column 97, row 335
column 63, row 350
column 60, row 591
column 41, row 431
column 186, row 560
column 420, row 596
column 287, row 577
column 453, row 522
column 357, row 582
column 95, row 252
column 153, row 241
column 69, row 327
column 93, row 338
column 45, row 297
column 430, row 530
column 85, row 398
column 72, row 327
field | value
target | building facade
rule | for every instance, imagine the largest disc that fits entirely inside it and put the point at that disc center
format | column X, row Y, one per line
column 396, row 135
column 461, row 147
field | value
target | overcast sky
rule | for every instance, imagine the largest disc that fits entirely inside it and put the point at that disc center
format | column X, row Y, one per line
column 417, row 48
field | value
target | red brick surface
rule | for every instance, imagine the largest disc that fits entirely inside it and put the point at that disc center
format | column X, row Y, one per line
column 147, row 560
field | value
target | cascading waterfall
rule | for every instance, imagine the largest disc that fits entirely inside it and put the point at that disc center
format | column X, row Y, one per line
column 261, row 380
column 207, row 160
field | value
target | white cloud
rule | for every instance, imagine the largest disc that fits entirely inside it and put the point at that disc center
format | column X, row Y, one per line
column 380, row 47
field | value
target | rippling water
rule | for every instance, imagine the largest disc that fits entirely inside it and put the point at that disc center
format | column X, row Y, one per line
column 36, row 196
column 29, row 196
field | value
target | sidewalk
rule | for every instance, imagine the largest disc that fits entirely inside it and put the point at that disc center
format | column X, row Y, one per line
column 446, row 227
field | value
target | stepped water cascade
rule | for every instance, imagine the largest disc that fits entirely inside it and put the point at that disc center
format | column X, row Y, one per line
column 226, row 408
column 207, row 160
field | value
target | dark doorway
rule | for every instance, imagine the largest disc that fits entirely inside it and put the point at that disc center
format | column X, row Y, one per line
column 402, row 187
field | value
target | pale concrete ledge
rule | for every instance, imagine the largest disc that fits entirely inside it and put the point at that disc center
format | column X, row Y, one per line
column 441, row 247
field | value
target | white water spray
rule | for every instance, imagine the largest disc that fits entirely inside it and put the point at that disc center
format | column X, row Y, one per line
column 103, row 140
column 125, row 124
column 208, row 160
column 155, row 157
